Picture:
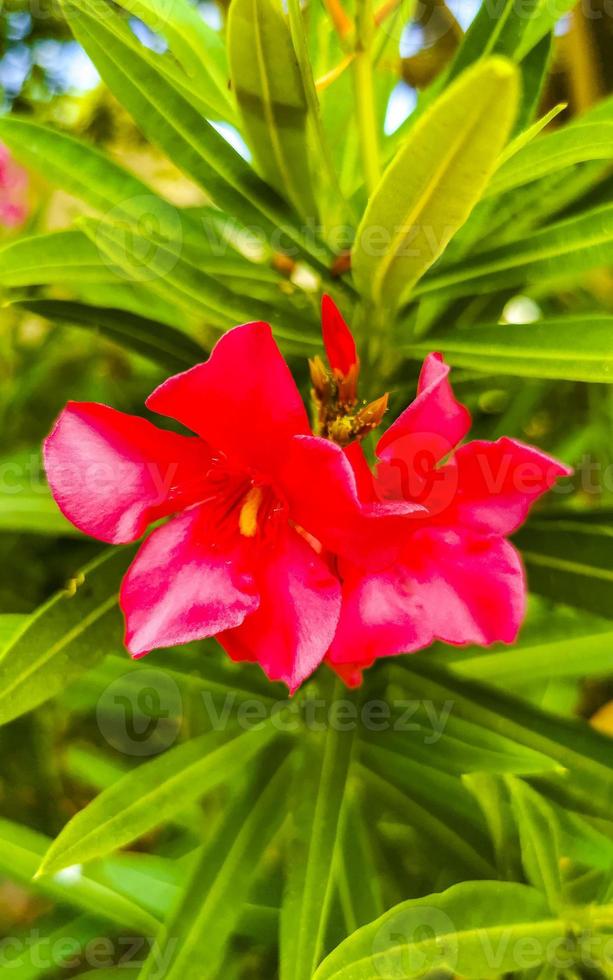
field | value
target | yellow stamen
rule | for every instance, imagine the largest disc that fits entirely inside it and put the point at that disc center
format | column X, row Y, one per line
column 248, row 520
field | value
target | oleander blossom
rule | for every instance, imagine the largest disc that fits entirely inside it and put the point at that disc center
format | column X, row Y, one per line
column 456, row 578
column 253, row 499
column 13, row 188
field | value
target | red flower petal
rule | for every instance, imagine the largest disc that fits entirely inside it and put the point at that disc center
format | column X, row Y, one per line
column 435, row 422
column 113, row 474
column 364, row 477
column 382, row 615
column 183, row 587
column 338, row 339
column 456, row 588
column 497, row 483
column 473, row 589
column 299, row 607
column 320, row 487
column 243, row 400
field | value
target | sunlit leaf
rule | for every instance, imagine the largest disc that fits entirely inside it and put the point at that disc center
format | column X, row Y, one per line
column 270, row 93
column 153, row 793
column 455, row 930
column 67, row 635
column 577, row 348
column 432, row 185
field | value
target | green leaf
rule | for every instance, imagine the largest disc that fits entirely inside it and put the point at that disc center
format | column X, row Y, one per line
column 82, row 170
column 492, row 35
column 458, row 838
column 539, row 845
column 197, row 934
column 553, row 152
column 317, row 796
column 157, row 883
column 360, row 893
column 58, row 256
column 10, row 623
column 272, row 100
column 51, row 948
column 575, row 657
column 492, row 795
column 175, row 276
column 571, row 561
column 20, row 855
column 68, row 634
column 153, row 793
column 583, row 752
column 457, row 930
column 574, row 348
column 32, row 510
column 169, row 120
column 563, row 250
column 554, row 838
column 527, row 135
column 159, row 342
column 544, row 17
column 432, row 185
column 198, row 48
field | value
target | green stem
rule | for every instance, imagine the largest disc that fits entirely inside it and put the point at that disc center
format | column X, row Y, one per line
column 365, row 96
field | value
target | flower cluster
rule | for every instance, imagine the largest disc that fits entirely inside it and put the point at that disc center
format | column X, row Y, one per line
column 283, row 542
column 13, row 187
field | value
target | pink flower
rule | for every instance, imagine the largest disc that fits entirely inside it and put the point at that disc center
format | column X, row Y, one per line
column 13, row 186
column 256, row 497
column 456, row 577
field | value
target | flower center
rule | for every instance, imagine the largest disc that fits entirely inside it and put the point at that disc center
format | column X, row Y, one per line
column 248, row 517
column 242, row 502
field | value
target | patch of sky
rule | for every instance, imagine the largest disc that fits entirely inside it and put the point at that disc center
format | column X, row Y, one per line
column 147, row 37
column 211, row 14
column 233, row 137
column 401, row 103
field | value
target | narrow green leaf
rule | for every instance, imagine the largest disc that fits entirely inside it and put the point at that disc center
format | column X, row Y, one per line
column 82, row 170
column 457, row 931
column 360, row 891
column 159, row 342
column 20, row 855
column 198, row 48
column 492, row 35
column 68, row 634
column 152, row 794
column 539, row 844
column 544, row 17
column 553, row 152
column 570, row 560
column 527, row 135
column 565, row 249
column 32, row 510
column 432, row 185
column 492, row 795
column 583, row 752
column 196, row 937
column 174, row 275
column 52, row 948
column 461, row 843
column 318, row 795
column 10, row 623
column 575, row 657
column 272, row 100
column 58, row 256
column 158, row 883
column 575, row 348
column 555, row 842
column 170, row 120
